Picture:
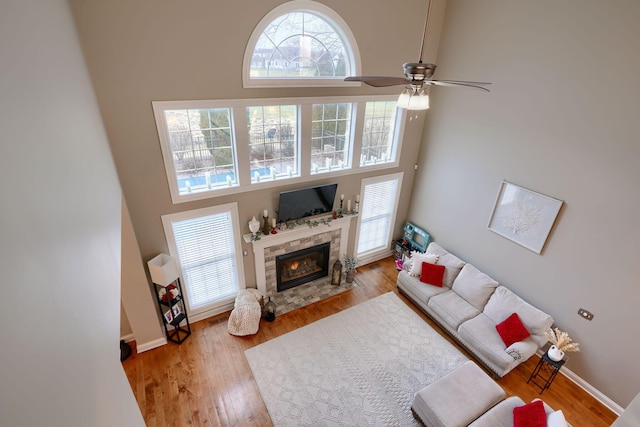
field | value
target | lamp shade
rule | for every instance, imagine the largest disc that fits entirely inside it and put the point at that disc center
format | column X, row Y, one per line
column 413, row 99
column 163, row 269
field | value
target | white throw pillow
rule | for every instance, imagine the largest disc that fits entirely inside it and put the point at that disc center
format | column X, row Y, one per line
column 417, row 259
column 556, row 419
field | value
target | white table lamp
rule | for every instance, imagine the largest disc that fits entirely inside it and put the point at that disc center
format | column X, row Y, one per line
column 163, row 269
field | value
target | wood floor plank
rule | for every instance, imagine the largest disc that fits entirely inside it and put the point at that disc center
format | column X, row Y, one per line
column 207, row 381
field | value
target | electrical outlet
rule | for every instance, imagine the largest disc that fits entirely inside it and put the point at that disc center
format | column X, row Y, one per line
column 585, row 314
column 245, row 253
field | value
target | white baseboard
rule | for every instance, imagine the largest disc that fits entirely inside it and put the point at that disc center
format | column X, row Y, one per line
column 597, row 394
column 128, row 338
column 151, row 345
column 211, row 313
column 376, row 257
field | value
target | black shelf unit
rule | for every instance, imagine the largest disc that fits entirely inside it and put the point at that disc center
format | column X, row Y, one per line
column 178, row 328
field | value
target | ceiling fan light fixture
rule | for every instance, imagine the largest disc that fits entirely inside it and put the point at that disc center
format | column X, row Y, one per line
column 413, row 98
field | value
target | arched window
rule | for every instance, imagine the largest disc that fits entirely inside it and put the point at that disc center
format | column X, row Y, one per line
column 300, row 43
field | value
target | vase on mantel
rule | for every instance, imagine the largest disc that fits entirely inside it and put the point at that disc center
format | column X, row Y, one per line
column 350, row 275
column 555, row 353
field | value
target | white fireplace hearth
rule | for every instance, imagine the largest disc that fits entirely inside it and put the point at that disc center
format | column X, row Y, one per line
column 265, row 250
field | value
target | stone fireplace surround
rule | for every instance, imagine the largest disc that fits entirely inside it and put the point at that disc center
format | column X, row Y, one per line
column 268, row 247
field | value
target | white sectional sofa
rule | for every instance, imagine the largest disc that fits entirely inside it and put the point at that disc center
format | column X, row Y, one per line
column 469, row 305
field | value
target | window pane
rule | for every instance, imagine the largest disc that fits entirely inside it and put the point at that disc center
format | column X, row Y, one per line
column 378, row 143
column 330, row 137
column 273, row 142
column 206, row 253
column 299, row 45
column 202, row 148
column 377, row 215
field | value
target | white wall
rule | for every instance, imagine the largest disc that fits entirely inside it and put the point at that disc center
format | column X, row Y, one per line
column 59, row 232
column 562, row 119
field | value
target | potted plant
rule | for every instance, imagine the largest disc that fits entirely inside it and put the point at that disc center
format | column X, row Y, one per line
column 561, row 342
column 350, row 264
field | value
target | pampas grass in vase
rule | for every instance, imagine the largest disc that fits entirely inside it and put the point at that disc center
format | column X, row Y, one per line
column 561, row 342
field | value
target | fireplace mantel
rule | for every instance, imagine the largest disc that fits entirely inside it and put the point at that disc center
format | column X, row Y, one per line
column 298, row 233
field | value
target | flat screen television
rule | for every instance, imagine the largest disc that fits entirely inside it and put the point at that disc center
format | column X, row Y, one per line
column 296, row 204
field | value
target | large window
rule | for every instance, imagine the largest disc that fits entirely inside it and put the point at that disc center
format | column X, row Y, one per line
column 300, row 43
column 199, row 148
column 378, row 139
column 273, row 141
column 377, row 215
column 330, row 137
column 220, row 147
column 206, row 243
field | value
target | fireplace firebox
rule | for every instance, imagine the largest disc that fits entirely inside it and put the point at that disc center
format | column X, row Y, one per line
column 299, row 267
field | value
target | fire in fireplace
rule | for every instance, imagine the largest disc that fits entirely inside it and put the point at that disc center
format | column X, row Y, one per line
column 299, row 267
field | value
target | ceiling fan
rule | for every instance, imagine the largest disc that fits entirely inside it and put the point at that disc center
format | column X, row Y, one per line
column 417, row 76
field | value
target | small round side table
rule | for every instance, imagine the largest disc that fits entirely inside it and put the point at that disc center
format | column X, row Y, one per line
column 545, row 372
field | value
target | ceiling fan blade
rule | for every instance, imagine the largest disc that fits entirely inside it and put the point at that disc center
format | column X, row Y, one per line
column 378, row 81
column 452, row 83
column 464, row 82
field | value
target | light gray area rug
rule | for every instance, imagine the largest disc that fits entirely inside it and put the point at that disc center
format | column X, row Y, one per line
column 359, row 367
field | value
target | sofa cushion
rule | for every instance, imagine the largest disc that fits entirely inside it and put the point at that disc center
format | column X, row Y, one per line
column 480, row 335
column 417, row 258
column 503, row 302
column 452, row 263
column 474, row 286
column 436, row 249
column 511, row 330
column 556, row 419
column 417, row 289
column 500, row 415
column 432, row 274
column 452, row 308
column 530, row 415
column 457, row 398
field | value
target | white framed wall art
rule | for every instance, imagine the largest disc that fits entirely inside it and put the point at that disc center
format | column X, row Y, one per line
column 524, row 216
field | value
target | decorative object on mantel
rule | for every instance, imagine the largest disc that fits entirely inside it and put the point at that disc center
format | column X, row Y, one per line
column 350, row 264
column 523, row 216
column 561, row 343
column 356, row 205
column 270, row 310
column 265, row 228
column 336, row 273
column 341, row 202
column 254, row 227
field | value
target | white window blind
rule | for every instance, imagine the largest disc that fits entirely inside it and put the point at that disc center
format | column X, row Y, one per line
column 204, row 242
column 377, row 215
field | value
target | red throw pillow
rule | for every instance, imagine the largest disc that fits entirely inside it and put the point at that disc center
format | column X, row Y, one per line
column 530, row 415
column 432, row 274
column 512, row 330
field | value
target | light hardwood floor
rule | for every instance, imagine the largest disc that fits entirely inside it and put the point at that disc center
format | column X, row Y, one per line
column 206, row 381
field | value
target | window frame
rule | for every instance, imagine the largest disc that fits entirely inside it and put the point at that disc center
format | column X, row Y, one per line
column 324, row 12
column 243, row 175
column 376, row 254
column 351, row 122
column 232, row 208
